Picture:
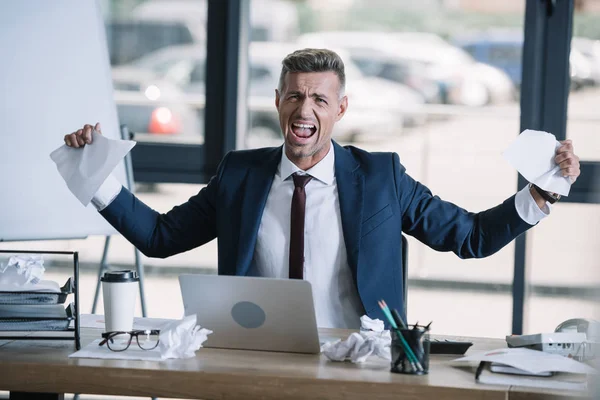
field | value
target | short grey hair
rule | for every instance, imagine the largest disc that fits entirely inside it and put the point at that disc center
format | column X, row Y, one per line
column 314, row 60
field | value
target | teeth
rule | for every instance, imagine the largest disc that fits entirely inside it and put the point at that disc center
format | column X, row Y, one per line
column 303, row 125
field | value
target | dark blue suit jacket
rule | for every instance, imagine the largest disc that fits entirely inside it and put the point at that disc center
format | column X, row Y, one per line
column 378, row 201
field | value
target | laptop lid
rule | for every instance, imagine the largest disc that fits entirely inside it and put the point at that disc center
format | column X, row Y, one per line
column 253, row 313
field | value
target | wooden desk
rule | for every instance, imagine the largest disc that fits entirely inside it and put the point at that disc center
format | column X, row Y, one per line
column 44, row 366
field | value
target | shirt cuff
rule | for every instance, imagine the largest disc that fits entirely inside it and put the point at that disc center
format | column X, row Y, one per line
column 528, row 209
column 107, row 193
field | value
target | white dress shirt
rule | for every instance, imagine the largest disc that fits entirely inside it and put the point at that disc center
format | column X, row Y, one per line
column 337, row 303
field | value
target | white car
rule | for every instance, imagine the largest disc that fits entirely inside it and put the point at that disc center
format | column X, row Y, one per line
column 590, row 49
column 463, row 80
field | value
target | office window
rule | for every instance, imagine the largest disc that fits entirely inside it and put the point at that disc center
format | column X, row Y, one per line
column 157, row 50
column 418, row 90
column 583, row 122
column 564, row 276
column 562, row 257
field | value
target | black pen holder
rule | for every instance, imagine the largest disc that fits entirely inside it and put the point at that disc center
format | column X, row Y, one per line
column 416, row 360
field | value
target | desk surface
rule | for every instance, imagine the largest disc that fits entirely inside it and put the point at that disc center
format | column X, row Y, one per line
column 44, row 366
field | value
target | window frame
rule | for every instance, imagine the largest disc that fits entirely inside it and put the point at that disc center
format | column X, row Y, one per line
column 544, row 99
column 224, row 113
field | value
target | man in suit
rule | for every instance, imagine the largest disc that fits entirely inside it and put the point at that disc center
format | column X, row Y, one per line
column 314, row 210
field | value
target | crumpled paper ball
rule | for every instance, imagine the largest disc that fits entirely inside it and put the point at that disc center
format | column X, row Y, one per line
column 22, row 270
column 372, row 339
column 181, row 339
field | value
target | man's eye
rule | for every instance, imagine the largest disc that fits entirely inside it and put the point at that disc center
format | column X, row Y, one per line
column 320, row 100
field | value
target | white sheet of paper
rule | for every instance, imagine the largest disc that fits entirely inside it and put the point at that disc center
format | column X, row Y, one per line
column 93, row 350
column 532, row 154
column 41, row 286
column 97, row 321
column 533, row 361
column 84, row 170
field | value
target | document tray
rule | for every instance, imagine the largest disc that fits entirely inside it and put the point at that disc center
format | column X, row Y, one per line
column 36, row 318
column 37, row 297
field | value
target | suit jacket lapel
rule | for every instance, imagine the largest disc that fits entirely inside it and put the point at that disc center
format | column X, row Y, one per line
column 350, row 183
column 259, row 179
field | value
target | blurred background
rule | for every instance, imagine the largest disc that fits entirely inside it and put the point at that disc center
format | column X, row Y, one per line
column 437, row 81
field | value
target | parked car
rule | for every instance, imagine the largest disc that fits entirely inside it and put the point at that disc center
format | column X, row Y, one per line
column 375, row 63
column 501, row 51
column 371, row 54
column 130, row 39
column 481, row 83
column 460, row 79
column 504, row 50
column 147, row 104
column 393, row 106
column 590, row 49
column 271, row 20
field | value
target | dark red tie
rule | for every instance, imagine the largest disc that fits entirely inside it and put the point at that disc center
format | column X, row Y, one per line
column 297, row 226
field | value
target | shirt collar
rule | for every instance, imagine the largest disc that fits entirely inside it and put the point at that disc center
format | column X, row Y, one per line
column 324, row 170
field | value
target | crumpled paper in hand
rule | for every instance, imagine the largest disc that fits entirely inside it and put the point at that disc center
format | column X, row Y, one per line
column 84, row 170
column 532, row 154
column 181, row 339
column 372, row 339
column 22, row 270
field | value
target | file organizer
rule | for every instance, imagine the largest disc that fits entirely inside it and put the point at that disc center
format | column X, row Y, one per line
column 23, row 315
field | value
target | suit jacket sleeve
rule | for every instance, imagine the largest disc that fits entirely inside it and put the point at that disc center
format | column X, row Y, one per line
column 445, row 226
column 185, row 227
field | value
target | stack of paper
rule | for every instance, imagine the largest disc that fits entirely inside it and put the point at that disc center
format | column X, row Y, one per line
column 525, row 367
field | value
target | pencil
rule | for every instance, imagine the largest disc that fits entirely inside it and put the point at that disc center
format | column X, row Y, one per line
column 412, row 358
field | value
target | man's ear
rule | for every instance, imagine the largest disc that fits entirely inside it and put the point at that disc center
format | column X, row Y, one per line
column 342, row 108
column 277, row 98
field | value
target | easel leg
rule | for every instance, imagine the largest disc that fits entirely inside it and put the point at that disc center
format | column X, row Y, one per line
column 131, row 185
column 101, row 270
column 140, row 270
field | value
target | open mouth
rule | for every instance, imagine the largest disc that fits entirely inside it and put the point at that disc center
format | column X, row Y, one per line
column 303, row 131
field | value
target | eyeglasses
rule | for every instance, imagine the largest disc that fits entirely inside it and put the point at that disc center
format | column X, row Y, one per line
column 120, row 341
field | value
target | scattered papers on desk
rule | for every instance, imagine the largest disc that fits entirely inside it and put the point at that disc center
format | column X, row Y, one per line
column 533, row 361
column 181, row 339
column 84, row 170
column 22, row 270
column 178, row 339
column 372, row 339
column 532, row 154
column 560, row 381
column 93, row 350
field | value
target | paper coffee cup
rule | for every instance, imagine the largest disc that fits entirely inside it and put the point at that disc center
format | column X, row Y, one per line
column 119, row 289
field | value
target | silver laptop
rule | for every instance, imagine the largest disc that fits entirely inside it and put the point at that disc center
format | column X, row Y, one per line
column 252, row 313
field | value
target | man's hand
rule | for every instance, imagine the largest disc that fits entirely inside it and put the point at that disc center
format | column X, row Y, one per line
column 81, row 137
column 569, row 166
column 568, row 161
